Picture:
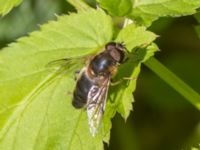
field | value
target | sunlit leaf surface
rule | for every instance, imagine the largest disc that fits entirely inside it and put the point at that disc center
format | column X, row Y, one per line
column 7, row 5
column 117, row 7
column 146, row 11
column 35, row 99
column 35, row 102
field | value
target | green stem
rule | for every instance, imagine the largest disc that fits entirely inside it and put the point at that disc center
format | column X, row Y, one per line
column 80, row 5
column 174, row 81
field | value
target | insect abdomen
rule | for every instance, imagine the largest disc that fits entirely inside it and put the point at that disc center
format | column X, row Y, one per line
column 83, row 86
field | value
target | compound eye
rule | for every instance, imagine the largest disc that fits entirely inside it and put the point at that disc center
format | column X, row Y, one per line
column 110, row 46
column 116, row 55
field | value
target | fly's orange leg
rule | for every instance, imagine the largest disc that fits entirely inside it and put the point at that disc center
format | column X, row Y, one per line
column 119, row 81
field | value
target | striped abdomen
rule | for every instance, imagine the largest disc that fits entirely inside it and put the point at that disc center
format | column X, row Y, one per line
column 81, row 91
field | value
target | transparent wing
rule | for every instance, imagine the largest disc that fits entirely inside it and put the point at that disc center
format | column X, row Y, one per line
column 65, row 62
column 96, row 105
column 70, row 61
column 63, row 66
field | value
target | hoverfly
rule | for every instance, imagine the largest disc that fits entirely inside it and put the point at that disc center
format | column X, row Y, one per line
column 92, row 85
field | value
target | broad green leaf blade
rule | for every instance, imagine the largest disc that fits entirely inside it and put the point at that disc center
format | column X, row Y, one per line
column 117, row 7
column 135, row 36
column 7, row 5
column 120, row 98
column 47, row 121
column 145, row 12
column 35, row 102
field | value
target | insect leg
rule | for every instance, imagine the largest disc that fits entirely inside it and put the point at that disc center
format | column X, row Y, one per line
column 119, row 81
column 114, row 83
column 129, row 78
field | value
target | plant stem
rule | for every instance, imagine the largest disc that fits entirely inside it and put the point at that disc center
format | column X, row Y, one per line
column 80, row 5
column 174, row 81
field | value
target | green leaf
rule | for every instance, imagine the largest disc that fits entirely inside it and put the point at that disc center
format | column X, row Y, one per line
column 135, row 36
column 7, row 5
column 147, row 11
column 117, row 7
column 35, row 104
column 120, row 98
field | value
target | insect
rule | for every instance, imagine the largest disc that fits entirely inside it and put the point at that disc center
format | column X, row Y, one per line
column 92, row 85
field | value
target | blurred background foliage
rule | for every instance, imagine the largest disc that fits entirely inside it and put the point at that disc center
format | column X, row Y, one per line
column 161, row 119
column 29, row 16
